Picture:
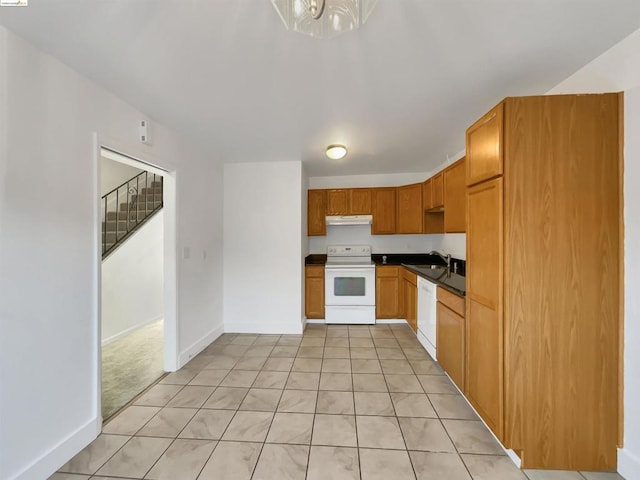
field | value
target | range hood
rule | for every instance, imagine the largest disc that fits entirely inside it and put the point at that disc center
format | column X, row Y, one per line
column 349, row 219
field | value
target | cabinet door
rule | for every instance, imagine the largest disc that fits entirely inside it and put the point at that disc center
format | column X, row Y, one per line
column 484, row 379
column 338, row 202
column 387, row 292
column 426, row 195
column 411, row 304
column 384, row 211
column 450, row 343
column 314, row 291
column 437, row 192
column 485, row 147
column 360, row 201
column 455, row 212
column 410, row 212
column 410, row 296
column 316, row 212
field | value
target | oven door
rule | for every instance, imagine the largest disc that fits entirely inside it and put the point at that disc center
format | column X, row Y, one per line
column 350, row 285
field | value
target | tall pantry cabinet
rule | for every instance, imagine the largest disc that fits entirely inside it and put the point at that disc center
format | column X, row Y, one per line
column 544, row 256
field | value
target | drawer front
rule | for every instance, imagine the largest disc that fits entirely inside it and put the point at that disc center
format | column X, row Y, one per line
column 451, row 300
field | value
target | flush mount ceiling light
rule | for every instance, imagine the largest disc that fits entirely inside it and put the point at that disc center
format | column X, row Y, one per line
column 336, row 152
column 324, row 18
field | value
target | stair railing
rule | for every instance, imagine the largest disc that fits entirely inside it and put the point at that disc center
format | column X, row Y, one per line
column 123, row 212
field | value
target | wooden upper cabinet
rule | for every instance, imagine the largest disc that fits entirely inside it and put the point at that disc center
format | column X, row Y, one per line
column 349, row 201
column 437, row 190
column 426, row 194
column 485, row 147
column 316, row 212
column 360, row 201
column 383, row 203
column 388, row 298
column 454, row 198
column 410, row 212
column 338, row 202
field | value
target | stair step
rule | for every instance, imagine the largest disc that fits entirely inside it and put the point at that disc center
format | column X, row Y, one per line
column 112, row 226
column 123, row 214
column 151, row 191
column 140, row 206
column 156, row 184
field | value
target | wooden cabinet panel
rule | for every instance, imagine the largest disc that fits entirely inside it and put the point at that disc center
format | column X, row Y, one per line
column 484, row 379
column 485, row 147
column 427, row 202
column 314, row 291
column 562, row 254
column 437, row 190
column 450, row 343
column 455, row 212
column 360, row 201
column 451, row 301
column 387, row 292
column 546, row 357
column 338, row 202
column 384, row 211
column 410, row 212
column 316, row 212
column 410, row 298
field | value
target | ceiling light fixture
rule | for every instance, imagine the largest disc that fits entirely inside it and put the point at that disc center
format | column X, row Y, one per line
column 324, row 18
column 336, row 152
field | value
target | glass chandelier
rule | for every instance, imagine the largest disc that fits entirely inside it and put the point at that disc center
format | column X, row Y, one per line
column 324, row 18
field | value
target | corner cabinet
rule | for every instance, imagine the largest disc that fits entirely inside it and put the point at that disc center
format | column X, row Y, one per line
column 544, row 262
column 316, row 208
column 314, row 291
column 455, row 212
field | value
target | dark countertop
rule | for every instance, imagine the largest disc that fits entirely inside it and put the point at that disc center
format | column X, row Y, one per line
column 418, row 263
column 449, row 281
column 315, row 259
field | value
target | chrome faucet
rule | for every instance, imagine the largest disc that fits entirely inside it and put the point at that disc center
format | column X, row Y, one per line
column 446, row 258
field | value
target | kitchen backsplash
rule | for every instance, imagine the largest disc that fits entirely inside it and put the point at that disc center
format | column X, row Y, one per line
column 361, row 235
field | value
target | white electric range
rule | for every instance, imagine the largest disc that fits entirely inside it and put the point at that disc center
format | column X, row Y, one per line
column 350, row 285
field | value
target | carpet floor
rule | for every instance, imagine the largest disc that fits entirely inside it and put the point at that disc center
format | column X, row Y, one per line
column 129, row 365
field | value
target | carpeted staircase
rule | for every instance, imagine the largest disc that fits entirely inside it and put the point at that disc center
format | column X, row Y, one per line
column 124, row 210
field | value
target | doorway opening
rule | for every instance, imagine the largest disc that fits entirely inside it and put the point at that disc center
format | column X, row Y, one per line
column 136, row 336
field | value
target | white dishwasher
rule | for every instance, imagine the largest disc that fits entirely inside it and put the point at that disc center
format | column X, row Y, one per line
column 427, row 315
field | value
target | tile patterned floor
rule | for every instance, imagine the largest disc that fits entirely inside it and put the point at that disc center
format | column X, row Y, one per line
column 340, row 402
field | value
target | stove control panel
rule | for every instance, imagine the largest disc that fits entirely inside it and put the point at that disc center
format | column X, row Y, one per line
column 349, row 250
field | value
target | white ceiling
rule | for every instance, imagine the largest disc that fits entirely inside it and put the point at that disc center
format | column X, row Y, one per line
column 399, row 92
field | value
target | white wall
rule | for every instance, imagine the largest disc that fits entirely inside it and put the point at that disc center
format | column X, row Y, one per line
column 263, row 247
column 113, row 174
column 133, row 281
column 619, row 70
column 49, row 251
column 455, row 244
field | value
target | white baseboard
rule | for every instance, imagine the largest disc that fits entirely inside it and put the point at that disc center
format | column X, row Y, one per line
column 628, row 464
column 48, row 463
column 315, row 320
column 390, row 320
column 129, row 330
column 198, row 346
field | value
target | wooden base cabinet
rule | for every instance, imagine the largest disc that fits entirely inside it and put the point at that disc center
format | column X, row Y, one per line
column 410, row 298
column 314, row 291
column 544, row 257
column 388, row 300
column 450, row 337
